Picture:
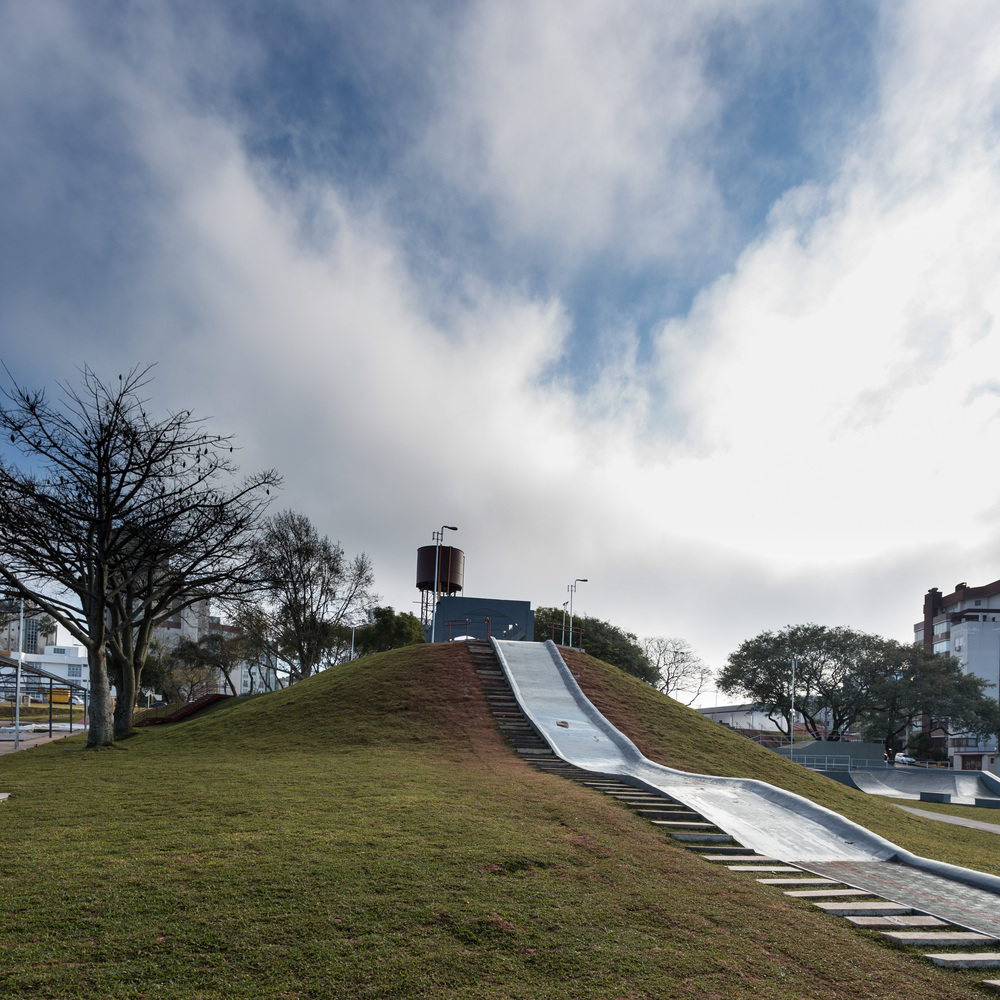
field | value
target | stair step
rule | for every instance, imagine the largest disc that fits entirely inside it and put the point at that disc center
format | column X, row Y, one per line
column 679, row 824
column 702, row 838
column 958, row 960
column 827, row 893
column 944, row 939
column 763, row 868
column 806, row 880
column 877, row 923
column 881, row 908
column 735, row 855
column 723, row 851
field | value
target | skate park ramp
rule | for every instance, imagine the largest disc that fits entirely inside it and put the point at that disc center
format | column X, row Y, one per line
column 901, row 782
column 775, row 823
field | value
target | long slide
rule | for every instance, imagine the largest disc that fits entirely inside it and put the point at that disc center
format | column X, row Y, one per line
column 772, row 821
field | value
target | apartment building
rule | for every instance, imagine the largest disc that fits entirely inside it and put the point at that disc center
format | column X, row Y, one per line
column 39, row 629
column 966, row 625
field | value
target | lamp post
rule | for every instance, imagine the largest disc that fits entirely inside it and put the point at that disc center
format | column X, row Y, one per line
column 572, row 590
column 791, row 718
column 565, row 605
column 438, row 536
column 17, row 682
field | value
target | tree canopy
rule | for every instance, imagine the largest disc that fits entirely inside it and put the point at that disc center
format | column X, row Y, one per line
column 845, row 679
column 118, row 518
column 312, row 590
column 601, row 639
column 387, row 630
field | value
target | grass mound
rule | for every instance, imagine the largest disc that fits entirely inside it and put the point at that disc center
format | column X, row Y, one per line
column 369, row 834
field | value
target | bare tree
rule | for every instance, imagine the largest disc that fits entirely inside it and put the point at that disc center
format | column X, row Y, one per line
column 680, row 670
column 121, row 519
column 313, row 591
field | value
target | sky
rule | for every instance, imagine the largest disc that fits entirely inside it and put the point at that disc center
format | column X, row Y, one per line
column 696, row 300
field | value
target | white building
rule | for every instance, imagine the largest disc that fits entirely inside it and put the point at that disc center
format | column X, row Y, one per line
column 966, row 625
column 67, row 662
column 36, row 635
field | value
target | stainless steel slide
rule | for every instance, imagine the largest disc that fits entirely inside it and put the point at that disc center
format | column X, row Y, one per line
column 774, row 822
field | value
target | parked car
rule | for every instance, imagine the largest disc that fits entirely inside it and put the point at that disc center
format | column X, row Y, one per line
column 904, row 758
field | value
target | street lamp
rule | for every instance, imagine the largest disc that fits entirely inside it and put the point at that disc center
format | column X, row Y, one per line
column 565, row 605
column 572, row 590
column 20, row 656
column 791, row 720
column 438, row 537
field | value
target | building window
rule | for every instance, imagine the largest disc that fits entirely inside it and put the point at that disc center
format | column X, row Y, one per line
column 978, row 603
column 74, row 671
column 31, row 636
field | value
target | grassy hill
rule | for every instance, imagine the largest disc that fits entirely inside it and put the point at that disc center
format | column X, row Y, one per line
column 369, row 834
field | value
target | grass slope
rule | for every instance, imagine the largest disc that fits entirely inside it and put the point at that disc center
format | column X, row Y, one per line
column 369, row 834
column 670, row 733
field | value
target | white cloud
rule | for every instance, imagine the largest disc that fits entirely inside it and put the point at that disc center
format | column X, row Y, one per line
column 583, row 124
column 838, row 385
column 830, row 379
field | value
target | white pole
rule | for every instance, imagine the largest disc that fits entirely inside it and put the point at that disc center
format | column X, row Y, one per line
column 572, row 590
column 438, row 536
column 791, row 721
column 17, row 685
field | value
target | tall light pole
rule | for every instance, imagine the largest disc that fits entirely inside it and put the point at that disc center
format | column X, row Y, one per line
column 572, row 590
column 791, row 719
column 438, row 536
column 17, row 683
column 563, row 643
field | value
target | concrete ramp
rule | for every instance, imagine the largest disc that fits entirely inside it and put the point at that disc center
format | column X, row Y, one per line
column 772, row 821
column 900, row 782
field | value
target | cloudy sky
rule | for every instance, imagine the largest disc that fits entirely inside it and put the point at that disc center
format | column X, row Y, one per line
column 697, row 300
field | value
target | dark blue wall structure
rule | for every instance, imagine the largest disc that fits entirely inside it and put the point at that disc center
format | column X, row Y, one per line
column 468, row 616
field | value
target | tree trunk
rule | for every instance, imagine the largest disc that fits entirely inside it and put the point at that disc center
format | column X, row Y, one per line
column 101, row 721
column 125, row 702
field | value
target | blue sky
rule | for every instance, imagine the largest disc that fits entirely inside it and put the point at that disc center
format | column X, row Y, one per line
column 694, row 299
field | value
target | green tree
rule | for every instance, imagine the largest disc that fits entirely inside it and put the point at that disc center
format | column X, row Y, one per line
column 846, row 679
column 601, row 639
column 836, row 672
column 312, row 591
column 388, row 630
column 916, row 684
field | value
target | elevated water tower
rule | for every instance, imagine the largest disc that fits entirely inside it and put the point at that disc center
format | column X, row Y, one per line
column 450, row 577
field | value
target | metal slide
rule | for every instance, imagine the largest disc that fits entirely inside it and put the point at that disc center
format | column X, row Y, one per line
column 772, row 821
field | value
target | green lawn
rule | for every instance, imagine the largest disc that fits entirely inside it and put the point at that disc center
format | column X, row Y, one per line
column 368, row 834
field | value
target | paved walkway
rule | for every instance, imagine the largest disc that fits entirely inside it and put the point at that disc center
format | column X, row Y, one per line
column 29, row 740
column 972, row 824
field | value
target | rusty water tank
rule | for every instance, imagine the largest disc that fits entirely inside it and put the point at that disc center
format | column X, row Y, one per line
column 451, row 570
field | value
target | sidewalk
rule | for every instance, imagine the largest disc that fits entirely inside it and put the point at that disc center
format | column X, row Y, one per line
column 972, row 824
column 29, row 740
